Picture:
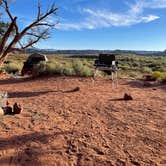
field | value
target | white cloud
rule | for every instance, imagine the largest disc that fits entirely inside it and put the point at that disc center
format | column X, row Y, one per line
column 100, row 19
column 117, row 19
column 104, row 19
column 68, row 26
column 136, row 8
column 150, row 18
column 155, row 4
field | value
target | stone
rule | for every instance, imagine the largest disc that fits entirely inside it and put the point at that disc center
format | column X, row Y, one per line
column 17, row 108
column 127, row 97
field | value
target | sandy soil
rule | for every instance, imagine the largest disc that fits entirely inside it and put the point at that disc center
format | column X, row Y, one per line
column 93, row 126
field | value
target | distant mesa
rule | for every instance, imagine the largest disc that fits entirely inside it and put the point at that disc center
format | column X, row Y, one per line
column 88, row 51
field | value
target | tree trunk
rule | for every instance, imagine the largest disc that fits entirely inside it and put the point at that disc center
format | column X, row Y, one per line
column 3, row 50
column 2, row 58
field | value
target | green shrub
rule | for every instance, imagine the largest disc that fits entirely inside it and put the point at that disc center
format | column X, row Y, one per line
column 162, row 69
column 81, row 70
column 1, row 70
column 87, row 63
column 86, row 72
column 54, row 68
column 124, row 66
column 132, row 74
column 12, row 68
column 146, row 70
column 48, row 68
column 156, row 75
column 69, row 69
column 160, row 76
column 77, row 66
column 39, row 69
column 163, row 77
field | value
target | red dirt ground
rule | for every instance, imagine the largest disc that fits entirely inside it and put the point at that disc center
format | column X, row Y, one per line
column 90, row 127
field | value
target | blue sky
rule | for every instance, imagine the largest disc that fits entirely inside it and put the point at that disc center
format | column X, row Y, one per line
column 101, row 24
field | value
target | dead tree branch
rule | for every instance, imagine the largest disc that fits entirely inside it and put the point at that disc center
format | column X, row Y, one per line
column 33, row 33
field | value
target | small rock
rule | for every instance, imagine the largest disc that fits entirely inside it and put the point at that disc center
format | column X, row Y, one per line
column 17, row 108
column 8, row 110
column 73, row 90
column 127, row 97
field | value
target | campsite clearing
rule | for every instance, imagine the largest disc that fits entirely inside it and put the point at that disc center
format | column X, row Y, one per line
column 92, row 126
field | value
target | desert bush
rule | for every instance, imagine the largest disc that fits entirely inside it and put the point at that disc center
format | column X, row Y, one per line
column 54, row 68
column 1, row 70
column 156, row 75
column 81, row 70
column 68, row 70
column 12, row 67
column 124, row 66
column 88, row 63
column 132, row 74
column 76, row 68
column 146, row 70
column 162, row 69
column 160, row 76
column 163, row 77
column 39, row 69
column 48, row 68
column 82, row 65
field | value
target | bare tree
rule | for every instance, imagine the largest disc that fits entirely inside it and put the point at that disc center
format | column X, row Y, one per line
column 34, row 32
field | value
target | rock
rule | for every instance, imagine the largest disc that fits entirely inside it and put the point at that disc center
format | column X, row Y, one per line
column 17, row 108
column 8, row 110
column 127, row 97
column 1, row 112
column 73, row 90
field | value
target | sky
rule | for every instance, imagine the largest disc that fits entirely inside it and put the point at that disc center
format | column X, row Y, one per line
column 100, row 24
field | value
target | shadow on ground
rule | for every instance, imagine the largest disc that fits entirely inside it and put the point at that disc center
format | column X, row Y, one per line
column 34, row 94
column 28, row 94
column 28, row 148
column 146, row 84
column 9, row 81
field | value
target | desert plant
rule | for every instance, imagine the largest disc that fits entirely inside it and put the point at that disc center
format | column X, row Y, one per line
column 160, row 76
column 163, row 77
column 68, row 70
column 48, row 68
column 54, row 68
column 162, row 69
column 156, row 75
column 81, row 70
column 132, row 74
column 12, row 67
column 124, row 66
column 146, row 70
column 1, row 70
